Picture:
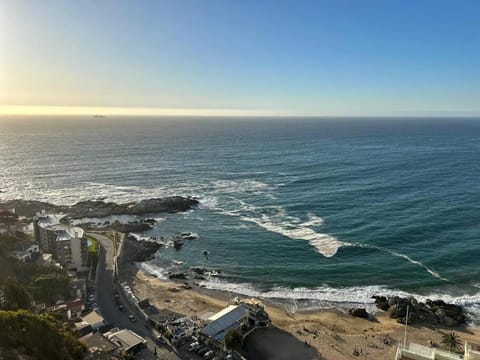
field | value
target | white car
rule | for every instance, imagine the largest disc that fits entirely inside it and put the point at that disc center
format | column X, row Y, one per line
column 193, row 346
column 208, row 355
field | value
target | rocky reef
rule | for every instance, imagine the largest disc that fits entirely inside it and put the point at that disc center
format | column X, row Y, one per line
column 138, row 250
column 100, row 208
column 432, row 312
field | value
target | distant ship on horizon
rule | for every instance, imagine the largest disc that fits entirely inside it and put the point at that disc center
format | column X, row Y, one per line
column 98, row 116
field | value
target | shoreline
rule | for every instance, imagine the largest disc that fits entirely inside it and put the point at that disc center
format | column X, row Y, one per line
column 333, row 333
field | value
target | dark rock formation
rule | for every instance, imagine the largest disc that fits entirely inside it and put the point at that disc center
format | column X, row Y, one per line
column 359, row 312
column 381, row 302
column 135, row 250
column 199, row 270
column 431, row 312
column 177, row 276
column 137, row 226
column 100, row 208
column 28, row 208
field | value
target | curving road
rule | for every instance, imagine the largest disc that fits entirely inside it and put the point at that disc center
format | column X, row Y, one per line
column 107, row 305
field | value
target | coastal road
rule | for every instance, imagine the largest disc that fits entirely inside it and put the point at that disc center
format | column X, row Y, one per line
column 108, row 307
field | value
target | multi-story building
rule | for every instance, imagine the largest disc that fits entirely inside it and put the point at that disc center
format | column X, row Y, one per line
column 68, row 244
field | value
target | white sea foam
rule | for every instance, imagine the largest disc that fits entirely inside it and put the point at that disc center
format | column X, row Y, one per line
column 327, row 297
column 313, row 220
column 397, row 254
column 209, row 202
column 242, row 186
column 277, row 220
column 101, row 221
column 139, row 237
column 325, row 244
column 153, row 270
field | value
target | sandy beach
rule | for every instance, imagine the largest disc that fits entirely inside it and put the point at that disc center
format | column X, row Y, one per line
column 331, row 334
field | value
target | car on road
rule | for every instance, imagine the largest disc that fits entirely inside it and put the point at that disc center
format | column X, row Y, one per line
column 203, row 350
column 121, row 307
column 158, row 337
column 193, row 346
column 209, row 354
column 132, row 318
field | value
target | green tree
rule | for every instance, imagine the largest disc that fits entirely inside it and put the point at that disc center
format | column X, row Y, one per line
column 48, row 287
column 451, row 342
column 233, row 339
column 39, row 336
column 15, row 295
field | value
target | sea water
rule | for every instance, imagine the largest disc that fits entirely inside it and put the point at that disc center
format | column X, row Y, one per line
column 318, row 212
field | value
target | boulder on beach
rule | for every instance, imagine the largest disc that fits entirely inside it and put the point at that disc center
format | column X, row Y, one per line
column 430, row 312
column 359, row 312
column 177, row 276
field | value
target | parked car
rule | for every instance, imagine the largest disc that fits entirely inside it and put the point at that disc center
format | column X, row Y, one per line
column 203, row 350
column 193, row 346
column 209, row 354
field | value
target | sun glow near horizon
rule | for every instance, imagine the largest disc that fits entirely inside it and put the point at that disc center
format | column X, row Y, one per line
column 26, row 110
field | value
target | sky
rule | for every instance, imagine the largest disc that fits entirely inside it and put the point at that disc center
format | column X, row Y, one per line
column 312, row 58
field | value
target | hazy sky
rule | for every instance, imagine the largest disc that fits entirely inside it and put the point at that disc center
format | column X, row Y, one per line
column 338, row 57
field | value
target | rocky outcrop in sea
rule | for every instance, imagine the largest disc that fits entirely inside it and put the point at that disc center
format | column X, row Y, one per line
column 100, row 208
column 138, row 250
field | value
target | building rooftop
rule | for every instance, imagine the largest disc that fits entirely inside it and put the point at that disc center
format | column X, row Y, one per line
column 92, row 318
column 97, row 342
column 125, row 338
column 66, row 232
column 222, row 312
column 228, row 318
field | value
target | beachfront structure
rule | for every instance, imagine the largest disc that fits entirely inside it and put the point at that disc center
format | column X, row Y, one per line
column 181, row 329
column 68, row 244
column 419, row 352
column 127, row 340
column 245, row 316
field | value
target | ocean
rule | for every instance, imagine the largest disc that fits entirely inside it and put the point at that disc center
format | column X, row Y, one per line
column 315, row 212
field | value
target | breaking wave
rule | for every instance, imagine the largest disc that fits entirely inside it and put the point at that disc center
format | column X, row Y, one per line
column 328, row 297
column 397, row 254
column 325, row 244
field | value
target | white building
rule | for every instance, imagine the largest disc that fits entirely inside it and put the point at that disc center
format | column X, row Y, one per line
column 244, row 316
column 26, row 255
column 419, row 352
column 68, row 244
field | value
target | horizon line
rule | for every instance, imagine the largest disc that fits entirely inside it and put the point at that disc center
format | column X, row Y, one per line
column 53, row 110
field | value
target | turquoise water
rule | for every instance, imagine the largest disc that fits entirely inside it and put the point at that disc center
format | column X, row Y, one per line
column 315, row 211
